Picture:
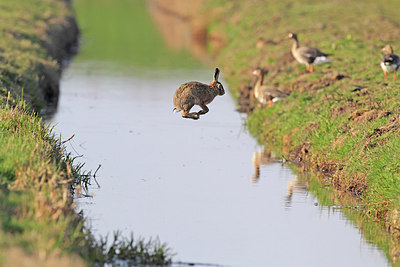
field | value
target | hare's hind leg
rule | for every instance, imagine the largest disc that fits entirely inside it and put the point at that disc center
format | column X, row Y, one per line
column 204, row 109
column 191, row 115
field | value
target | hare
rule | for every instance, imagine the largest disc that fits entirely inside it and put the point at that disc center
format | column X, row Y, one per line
column 196, row 93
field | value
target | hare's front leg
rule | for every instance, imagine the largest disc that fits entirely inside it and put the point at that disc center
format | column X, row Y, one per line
column 204, row 109
column 191, row 115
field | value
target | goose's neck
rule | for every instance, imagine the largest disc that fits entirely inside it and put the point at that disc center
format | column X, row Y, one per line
column 260, row 80
column 295, row 44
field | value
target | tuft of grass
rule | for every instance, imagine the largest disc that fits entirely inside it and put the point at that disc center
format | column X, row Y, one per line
column 131, row 251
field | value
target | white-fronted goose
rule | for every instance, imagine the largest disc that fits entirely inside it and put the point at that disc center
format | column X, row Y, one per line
column 266, row 94
column 390, row 62
column 308, row 56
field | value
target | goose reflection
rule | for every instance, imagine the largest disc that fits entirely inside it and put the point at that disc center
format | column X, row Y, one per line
column 295, row 185
column 261, row 157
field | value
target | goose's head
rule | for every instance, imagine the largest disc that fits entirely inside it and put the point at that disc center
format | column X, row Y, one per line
column 292, row 36
column 257, row 72
column 388, row 49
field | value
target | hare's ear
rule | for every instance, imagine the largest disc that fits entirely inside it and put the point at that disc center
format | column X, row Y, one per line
column 216, row 74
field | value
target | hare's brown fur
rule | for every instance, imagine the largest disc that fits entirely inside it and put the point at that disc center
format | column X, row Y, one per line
column 196, row 93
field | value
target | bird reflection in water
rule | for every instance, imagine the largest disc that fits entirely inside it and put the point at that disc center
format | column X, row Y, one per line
column 261, row 157
column 295, row 185
column 264, row 157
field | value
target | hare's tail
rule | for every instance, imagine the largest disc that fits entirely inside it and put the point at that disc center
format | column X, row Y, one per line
column 175, row 110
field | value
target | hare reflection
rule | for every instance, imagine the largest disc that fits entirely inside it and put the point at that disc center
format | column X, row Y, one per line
column 295, row 185
column 261, row 157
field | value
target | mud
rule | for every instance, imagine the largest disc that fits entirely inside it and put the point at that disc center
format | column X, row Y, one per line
column 346, row 108
column 299, row 153
column 327, row 80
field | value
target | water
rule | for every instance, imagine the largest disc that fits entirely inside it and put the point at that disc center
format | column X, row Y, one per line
column 191, row 183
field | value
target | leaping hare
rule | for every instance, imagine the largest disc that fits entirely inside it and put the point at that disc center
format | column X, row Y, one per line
column 196, row 93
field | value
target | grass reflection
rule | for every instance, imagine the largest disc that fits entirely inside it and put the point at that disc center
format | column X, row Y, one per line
column 123, row 34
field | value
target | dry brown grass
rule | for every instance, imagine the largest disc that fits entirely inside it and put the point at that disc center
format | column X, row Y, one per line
column 17, row 257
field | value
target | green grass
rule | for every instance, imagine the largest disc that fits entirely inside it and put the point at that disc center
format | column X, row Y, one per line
column 122, row 33
column 35, row 213
column 365, row 148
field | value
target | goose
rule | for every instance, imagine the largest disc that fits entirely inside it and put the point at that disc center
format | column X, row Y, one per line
column 390, row 62
column 308, row 56
column 266, row 94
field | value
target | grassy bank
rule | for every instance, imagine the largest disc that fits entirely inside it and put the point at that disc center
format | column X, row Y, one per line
column 38, row 223
column 35, row 36
column 37, row 218
column 343, row 119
